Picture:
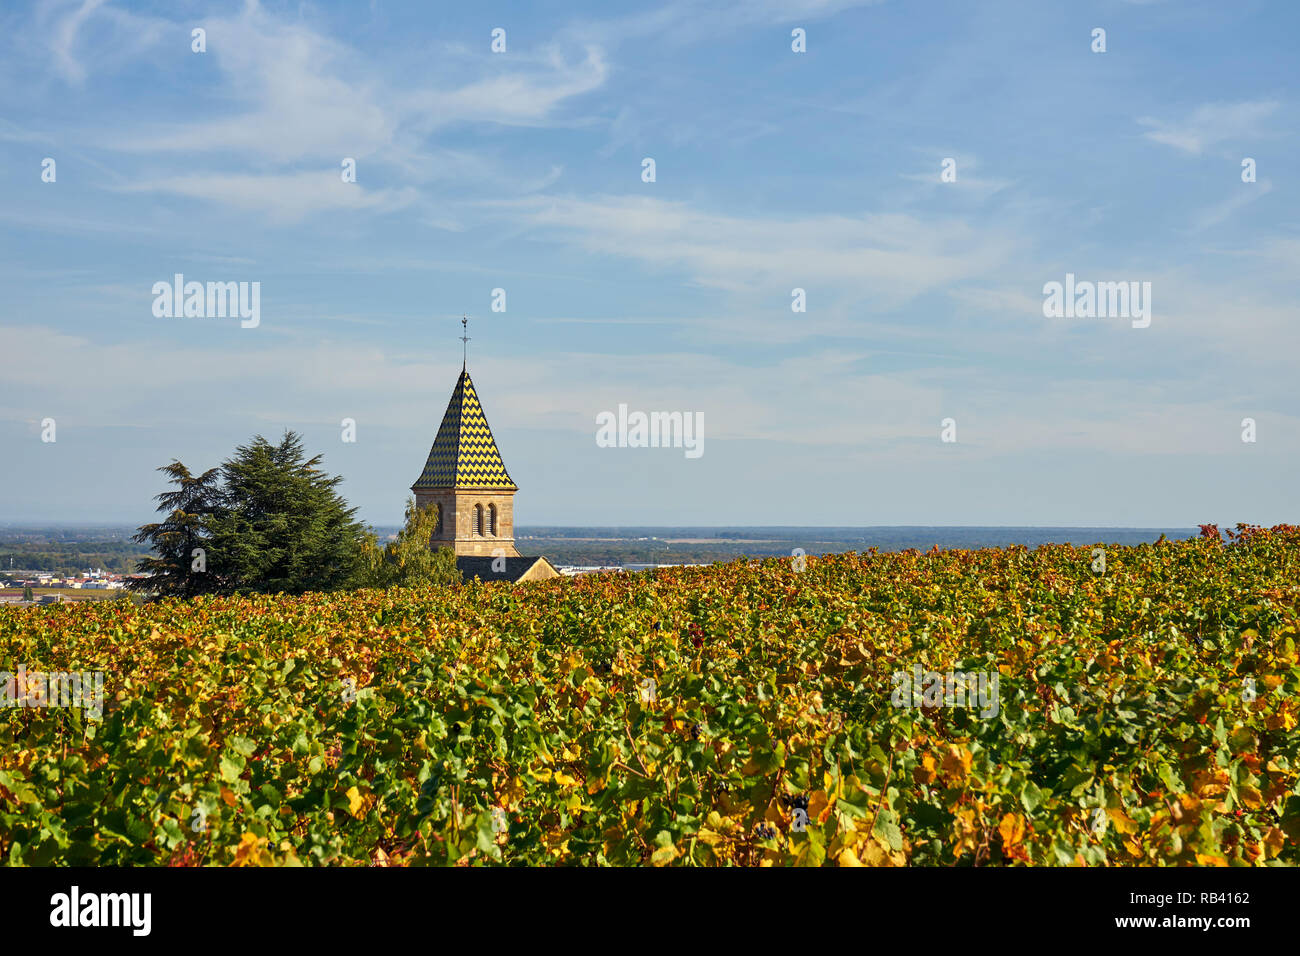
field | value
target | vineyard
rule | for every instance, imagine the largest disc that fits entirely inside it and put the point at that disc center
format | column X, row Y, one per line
column 739, row 714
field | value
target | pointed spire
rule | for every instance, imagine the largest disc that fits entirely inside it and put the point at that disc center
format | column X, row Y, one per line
column 464, row 338
column 464, row 453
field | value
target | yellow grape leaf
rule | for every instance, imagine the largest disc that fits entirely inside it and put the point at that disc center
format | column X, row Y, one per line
column 709, row 837
column 956, row 764
column 250, row 851
column 664, row 855
column 564, row 779
column 1274, row 840
column 1284, row 720
column 1012, row 829
column 228, row 797
column 1251, row 797
column 819, row 806
column 848, row 858
column 873, row 853
column 355, row 801
column 925, row 771
column 512, row 793
column 1123, row 822
column 833, row 786
column 1205, row 784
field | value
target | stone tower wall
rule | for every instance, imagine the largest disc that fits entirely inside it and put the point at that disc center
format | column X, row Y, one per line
column 458, row 520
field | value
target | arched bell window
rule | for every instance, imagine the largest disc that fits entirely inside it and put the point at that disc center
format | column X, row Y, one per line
column 492, row 520
column 478, row 519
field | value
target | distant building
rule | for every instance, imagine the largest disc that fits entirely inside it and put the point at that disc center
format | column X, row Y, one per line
column 465, row 479
column 505, row 569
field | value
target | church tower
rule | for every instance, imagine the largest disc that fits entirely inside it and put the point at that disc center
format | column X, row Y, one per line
column 467, row 480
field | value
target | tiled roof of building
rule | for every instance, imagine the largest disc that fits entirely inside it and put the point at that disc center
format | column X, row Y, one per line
column 512, row 569
column 464, row 453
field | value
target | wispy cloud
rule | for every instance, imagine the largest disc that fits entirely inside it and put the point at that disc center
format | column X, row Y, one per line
column 302, row 97
column 64, row 38
column 307, row 95
column 1244, row 195
column 897, row 256
column 285, row 198
column 95, row 35
column 1211, row 124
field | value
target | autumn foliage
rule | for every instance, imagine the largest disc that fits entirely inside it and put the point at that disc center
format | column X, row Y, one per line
column 1147, row 717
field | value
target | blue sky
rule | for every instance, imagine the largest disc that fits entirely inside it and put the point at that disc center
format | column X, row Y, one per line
column 775, row 170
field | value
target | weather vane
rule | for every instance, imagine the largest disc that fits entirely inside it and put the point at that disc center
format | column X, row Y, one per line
column 464, row 338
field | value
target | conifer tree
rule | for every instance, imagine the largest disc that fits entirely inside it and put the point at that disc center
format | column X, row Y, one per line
column 180, row 541
column 267, row 520
column 282, row 526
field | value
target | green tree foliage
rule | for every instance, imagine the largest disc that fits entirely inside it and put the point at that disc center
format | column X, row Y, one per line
column 176, row 539
column 27, row 594
column 410, row 561
column 282, row 526
column 268, row 520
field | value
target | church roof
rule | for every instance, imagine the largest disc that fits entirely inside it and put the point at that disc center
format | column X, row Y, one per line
column 464, row 453
column 511, row 569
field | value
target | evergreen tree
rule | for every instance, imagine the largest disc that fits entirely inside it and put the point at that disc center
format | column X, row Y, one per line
column 282, row 526
column 268, row 519
column 180, row 541
column 410, row 560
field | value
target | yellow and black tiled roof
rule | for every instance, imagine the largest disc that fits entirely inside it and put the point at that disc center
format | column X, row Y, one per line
column 464, row 454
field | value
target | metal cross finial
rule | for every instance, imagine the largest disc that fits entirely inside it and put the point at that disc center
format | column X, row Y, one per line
column 464, row 322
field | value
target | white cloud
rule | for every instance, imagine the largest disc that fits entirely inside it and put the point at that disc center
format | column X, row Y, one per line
column 1244, row 194
column 518, row 98
column 95, row 35
column 690, row 21
column 305, row 95
column 836, row 399
column 965, row 166
column 283, row 197
column 1013, row 304
column 64, row 38
column 12, row 133
column 1211, row 124
column 893, row 256
column 302, row 97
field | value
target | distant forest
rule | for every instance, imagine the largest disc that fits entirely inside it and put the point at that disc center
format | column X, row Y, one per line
column 68, row 550
column 704, row 545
